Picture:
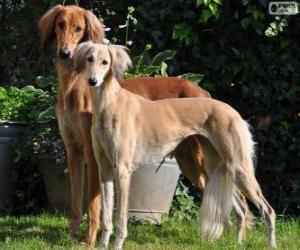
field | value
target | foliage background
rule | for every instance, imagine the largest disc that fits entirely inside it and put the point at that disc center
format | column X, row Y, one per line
column 226, row 41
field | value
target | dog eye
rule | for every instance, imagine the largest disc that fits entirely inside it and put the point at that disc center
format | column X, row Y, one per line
column 61, row 25
column 90, row 59
column 78, row 29
column 104, row 62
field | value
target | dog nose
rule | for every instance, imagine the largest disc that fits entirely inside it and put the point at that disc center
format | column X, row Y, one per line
column 92, row 81
column 64, row 53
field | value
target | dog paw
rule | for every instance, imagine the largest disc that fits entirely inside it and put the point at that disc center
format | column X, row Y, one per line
column 118, row 243
column 74, row 236
column 89, row 241
column 103, row 246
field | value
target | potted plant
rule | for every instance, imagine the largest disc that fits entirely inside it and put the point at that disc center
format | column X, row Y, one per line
column 16, row 113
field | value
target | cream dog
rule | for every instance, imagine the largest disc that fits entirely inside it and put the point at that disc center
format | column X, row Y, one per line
column 129, row 132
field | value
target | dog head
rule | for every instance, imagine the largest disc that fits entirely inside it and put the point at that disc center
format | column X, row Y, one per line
column 98, row 61
column 67, row 26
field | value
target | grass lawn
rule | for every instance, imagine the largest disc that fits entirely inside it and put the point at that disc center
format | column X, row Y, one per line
column 51, row 232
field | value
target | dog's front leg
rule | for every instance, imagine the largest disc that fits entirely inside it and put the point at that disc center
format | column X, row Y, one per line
column 94, row 199
column 107, row 188
column 75, row 162
column 75, row 167
column 106, row 176
column 122, row 189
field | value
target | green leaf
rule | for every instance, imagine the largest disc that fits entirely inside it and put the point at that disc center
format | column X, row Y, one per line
column 199, row 2
column 213, row 7
column 46, row 115
column 163, row 56
column 273, row 25
column 196, row 78
column 147, row 70
column 235, row 51
column 183, row 33
column 44, row 82
column 246, row 22
column 276, row 27
column 270, row 32
column 131, row 9
column 134, row 20
column 259, row 28
column 218, row 2
column 148, row 46
column 205, row 15
column 258, row 15
column 283, row 23
column 206, row 2
column 163, row 69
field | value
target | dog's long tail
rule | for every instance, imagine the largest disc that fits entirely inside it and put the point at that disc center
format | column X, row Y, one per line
column 216, row 203
column 217, row 198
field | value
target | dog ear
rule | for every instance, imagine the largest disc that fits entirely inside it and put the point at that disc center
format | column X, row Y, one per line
column 94, row 29
column 120, row 60
column 79, row 58
column 47, row 25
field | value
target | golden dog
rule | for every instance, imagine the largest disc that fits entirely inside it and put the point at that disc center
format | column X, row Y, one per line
column 129, row 132
column 64, row 27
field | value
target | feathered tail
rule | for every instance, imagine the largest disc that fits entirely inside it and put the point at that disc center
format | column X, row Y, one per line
column 217, row 199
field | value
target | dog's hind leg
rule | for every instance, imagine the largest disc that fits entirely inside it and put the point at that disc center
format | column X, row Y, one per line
column 122, row 188
column 190, row 159
column 248, row 184
column 244, row 216
column 94, row 199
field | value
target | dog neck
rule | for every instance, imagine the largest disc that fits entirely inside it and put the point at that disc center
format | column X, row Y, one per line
column 105, row 95
column 63, row 68
column 73, row 91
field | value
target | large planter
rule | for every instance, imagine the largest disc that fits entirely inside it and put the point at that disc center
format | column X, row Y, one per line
column 57, row 187
column 152, row 191
column 9, row 132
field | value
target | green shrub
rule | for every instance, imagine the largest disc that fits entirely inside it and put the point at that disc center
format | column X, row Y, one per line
column 184, row 207
column 20, row 104
column 39, row 144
